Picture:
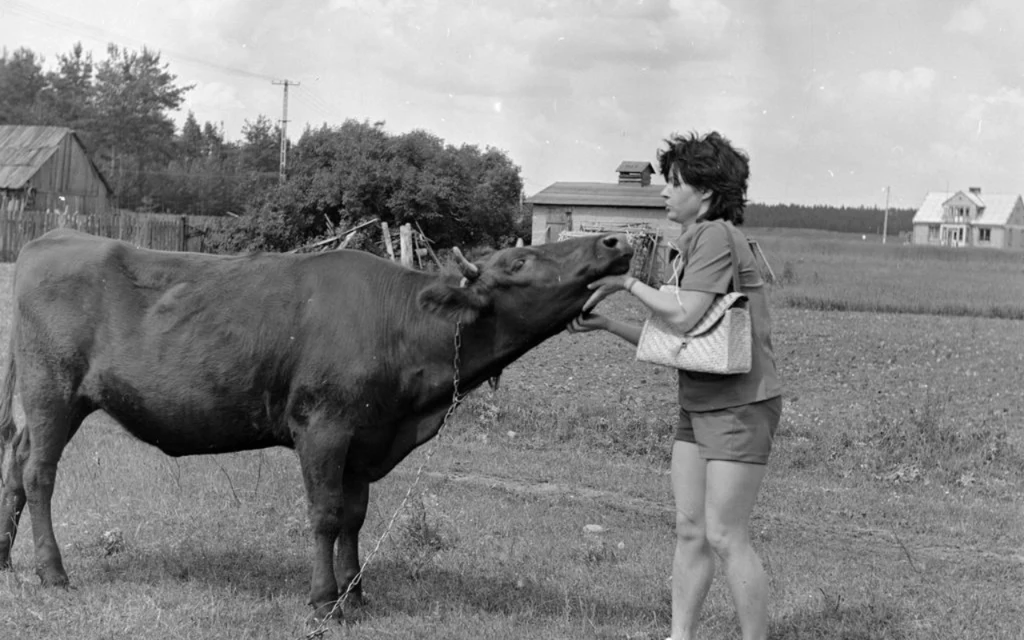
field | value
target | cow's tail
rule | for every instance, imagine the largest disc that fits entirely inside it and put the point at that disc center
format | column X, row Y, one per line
column 7, row 427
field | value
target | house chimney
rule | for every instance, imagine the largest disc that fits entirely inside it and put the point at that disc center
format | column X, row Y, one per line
column 975, row 190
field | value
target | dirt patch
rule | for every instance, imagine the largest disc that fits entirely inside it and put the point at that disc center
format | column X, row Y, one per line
column 913, row 548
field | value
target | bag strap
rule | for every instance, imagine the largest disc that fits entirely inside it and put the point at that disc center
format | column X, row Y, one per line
column 735, row 257
column 681, row 259
column 677, row 265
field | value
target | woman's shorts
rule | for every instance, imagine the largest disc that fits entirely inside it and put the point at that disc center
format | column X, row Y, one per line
column 738, row 434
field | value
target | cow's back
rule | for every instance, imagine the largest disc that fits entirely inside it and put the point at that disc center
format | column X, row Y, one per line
column 187, row 351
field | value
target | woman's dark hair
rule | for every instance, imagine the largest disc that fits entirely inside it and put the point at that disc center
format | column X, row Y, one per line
column 709, row 163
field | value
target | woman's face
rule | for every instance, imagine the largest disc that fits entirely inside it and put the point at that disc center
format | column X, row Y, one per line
column 683, row 203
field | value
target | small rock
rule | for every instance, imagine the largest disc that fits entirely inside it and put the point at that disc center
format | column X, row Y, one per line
column 593, row 528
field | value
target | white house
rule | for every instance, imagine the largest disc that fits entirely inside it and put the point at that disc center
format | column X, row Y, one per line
column 970, row 219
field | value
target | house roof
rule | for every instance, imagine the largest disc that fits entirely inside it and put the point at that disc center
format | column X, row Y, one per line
column 996, row 212
column 25, row 148
column 600, row 194
column 974, row 197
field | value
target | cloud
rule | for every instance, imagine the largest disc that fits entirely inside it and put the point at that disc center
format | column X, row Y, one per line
column 970, row 19
column 648, row 35
column 914, row 82
column 995, row 118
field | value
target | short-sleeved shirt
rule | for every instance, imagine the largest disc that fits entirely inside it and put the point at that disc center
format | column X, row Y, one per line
column 707, row 266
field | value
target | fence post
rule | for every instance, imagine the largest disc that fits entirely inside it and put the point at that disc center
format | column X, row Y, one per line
column 405, row 243
column 386, row 232
column 184, row 233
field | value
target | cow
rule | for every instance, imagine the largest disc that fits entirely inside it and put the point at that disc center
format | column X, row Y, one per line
column 347, row 358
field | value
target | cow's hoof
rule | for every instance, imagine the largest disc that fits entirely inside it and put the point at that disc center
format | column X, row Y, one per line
column 354, row 598
column 52, row 578
column 327, row 611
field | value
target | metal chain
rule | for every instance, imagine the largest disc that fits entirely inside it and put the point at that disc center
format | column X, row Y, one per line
column 457, row 399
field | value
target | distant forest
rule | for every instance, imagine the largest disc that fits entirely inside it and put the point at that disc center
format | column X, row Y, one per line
column 861, row 220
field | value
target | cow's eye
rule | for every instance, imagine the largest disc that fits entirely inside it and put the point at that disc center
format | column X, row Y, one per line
column 517, row 265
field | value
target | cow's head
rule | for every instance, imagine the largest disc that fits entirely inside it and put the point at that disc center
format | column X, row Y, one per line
column 535, row 289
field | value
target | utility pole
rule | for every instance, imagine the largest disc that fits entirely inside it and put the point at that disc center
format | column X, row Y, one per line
column 284, row 130
column 885, row 220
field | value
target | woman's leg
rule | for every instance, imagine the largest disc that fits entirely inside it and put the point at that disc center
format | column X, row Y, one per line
column 693, row 565
column 731, row 492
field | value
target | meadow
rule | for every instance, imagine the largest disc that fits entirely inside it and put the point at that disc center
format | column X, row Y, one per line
column 851, row 272
column 893, row 507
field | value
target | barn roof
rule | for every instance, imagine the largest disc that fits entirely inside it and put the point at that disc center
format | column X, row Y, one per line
column 600, row 194
column 634, row 166
column 996, row 207
column 25, row 148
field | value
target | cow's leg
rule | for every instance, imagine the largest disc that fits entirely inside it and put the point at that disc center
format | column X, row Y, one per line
column 322, row 446
column 12, row 497
column 49, row 426
column 357, row 495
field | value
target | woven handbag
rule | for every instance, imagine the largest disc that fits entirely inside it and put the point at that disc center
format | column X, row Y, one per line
column 719, row 343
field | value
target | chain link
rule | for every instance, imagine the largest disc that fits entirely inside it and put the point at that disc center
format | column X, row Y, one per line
column 457, row 399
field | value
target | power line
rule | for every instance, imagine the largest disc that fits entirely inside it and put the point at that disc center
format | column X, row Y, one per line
column 99, row 34
column 316, row 102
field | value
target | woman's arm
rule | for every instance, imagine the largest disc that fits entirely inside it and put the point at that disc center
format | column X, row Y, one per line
column 682, row 311
column 592, row 321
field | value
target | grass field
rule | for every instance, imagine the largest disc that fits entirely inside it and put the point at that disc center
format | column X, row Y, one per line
column 893, row 507
column 841, row 272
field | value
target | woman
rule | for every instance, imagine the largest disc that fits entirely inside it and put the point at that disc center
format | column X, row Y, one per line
column 726, row 423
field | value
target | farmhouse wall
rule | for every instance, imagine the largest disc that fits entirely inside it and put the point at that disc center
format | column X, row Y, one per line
column 45, row 164
column 69, row 173
column 921, row 234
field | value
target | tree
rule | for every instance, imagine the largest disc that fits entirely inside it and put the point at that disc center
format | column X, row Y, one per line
column 213, row 140
column 67, row 100
column 351, row 173
column 191, row 141
column 261, row 146
column 134, row 94
column 21, row 83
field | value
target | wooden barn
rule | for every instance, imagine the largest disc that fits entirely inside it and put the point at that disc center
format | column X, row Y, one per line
column 632, row 204
column 47, row 169
column 572, row 206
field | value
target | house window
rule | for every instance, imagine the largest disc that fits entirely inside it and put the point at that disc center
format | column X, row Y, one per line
column 933, row 232
column 984, row 235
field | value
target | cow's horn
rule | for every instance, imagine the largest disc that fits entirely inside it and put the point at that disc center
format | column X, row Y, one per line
column 468, row 269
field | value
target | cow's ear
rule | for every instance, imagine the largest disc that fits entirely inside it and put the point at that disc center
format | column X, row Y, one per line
column 459, row 304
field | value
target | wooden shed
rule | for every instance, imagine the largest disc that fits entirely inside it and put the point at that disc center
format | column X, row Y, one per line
column 570, row 206
column 630, row 204
column 47, row 169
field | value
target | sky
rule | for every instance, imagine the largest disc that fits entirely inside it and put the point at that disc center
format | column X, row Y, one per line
column 837, row 103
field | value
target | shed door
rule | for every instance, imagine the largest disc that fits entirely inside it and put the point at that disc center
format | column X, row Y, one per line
column 557, row 223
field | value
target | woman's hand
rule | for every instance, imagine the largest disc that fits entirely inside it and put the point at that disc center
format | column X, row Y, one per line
column 605, row 287
column 586, row 322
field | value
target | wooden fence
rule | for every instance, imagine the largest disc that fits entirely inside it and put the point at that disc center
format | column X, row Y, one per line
column 168, row 232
